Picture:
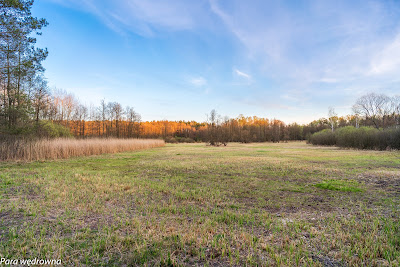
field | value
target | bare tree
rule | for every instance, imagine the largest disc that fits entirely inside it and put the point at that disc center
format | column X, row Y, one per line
column 111, row 117
column 215, row 133
column 373, row 107
column 83, row 110
column 133, row 122
column 40, row 96
column 103, row 111
column 70, row 105
column 332, row 118
column 116, row 113
column 395, row 107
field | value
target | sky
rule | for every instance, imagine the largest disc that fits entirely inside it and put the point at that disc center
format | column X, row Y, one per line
column 179, row 59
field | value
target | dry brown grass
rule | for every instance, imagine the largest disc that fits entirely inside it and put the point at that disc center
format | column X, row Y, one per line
column 66, row 148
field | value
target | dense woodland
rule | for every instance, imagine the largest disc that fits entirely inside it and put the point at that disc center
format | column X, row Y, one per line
column 29, row 108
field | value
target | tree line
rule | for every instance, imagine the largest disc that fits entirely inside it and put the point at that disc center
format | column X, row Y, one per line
column 111, row 119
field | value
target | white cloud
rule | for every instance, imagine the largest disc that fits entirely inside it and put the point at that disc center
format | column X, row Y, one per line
column 242, row 74
column 387, row 60
column 198, row 81
column 89, row 95
column 318, row 47
column 328, row 80
column 262, row 31
column 140, row 16
column 162, row 13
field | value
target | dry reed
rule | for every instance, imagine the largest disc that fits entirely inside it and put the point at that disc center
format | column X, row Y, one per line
column 65, row 148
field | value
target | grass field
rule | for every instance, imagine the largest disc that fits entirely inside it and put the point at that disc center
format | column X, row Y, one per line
column 265, row 204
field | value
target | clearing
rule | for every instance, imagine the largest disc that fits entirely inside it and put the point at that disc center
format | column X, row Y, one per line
column 190, row 204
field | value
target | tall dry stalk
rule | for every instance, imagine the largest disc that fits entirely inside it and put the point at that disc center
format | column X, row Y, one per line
column 66, row 148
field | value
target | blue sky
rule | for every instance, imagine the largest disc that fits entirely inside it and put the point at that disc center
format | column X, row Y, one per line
column 178, row 59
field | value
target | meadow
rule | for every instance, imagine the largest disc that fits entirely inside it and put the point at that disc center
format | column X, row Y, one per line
column 265, row 204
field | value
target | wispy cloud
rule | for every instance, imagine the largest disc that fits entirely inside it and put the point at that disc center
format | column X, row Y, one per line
column 328, row 80
column 300, row 46
column 198, row 81
column 142, row 17
column 387, row 61
column 242, row 74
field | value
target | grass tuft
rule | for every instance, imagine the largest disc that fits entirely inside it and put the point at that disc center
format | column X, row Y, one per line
column 339, row 185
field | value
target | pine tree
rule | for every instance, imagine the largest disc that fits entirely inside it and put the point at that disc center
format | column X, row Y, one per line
column 20, row 62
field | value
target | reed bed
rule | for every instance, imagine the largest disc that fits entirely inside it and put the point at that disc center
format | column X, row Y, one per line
column 62, row 148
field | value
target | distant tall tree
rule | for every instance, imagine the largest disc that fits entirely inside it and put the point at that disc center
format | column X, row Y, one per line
column 20, row 59
column 40, row 98
column 276, row 127
column 80, row 116
column 332, row 118
column 212, row 127
column 119, row 112
column 215, row 130
column 133, row 122
column 395, row 105
column 103, row 111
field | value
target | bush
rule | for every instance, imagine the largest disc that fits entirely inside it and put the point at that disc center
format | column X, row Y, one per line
column 170, row 139
column 325, row 138
column 49, row 129
column 35, row 130
column 361, row 138
column 389, row 139
column 186, row 140
column 176, row 139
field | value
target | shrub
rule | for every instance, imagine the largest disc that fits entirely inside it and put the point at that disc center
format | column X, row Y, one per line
column 170, row 139
column 51, row 130
column 389, row 138
column 324, row 138
column 187, row 140
column 176, row 139
column 361, row 138
column 35, row 130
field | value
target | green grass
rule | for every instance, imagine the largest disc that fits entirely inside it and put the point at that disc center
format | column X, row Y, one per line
column 345, row 186
column 288, row 204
